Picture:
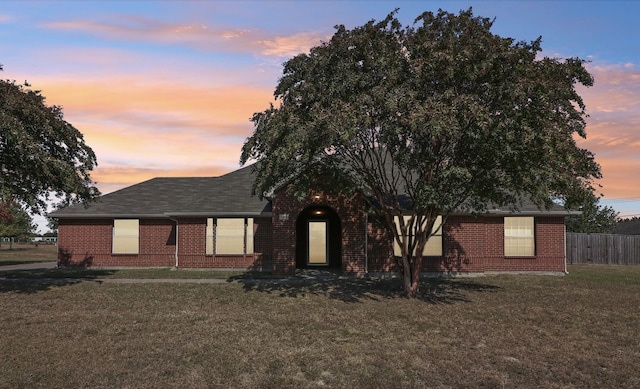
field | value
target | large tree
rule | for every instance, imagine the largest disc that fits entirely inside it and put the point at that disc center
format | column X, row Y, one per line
column 424, row 120
column 42, row 156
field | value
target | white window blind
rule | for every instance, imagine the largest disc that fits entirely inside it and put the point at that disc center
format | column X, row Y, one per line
column 519, row 237
column 126, row 233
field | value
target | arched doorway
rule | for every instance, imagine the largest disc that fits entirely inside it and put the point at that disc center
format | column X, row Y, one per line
column 318, row 238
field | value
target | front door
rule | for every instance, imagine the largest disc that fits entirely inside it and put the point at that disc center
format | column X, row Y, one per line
column 317, row 252
column 318, row 238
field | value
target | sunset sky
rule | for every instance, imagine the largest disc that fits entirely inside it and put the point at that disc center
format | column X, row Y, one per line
column 162, row 88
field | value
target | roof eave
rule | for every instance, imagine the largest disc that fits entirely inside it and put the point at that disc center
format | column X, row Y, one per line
column 218, row 214
column 107, row 216
column 500, row 212
column 164, row 215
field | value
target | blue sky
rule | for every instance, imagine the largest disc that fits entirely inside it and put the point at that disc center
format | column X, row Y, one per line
column 162, row 88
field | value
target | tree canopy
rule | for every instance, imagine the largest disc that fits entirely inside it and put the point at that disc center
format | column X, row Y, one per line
column 442, row 112
column 594, row 218
column 15, row 221
column 628, row 226
column 42, row 157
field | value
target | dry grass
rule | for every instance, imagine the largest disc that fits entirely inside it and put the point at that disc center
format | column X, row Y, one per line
column 26, row 253
column 501, row 331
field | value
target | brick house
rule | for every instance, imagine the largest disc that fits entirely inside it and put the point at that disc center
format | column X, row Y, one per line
column 214, row 222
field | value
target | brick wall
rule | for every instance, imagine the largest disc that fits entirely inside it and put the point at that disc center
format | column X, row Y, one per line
column 192, row 247
column 84, row 242
column 471, row 244
column 476, row 244
column 286, row 209
column 380, row 248
column 88, row 243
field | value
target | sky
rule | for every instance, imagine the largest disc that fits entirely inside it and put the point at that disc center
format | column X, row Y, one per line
column 164, row 88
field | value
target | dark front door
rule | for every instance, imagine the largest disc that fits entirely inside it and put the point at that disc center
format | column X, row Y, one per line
column 318, row 238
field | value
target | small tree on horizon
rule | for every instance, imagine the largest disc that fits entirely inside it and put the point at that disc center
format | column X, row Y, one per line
column 594, row 218
column 15, row 222
column 425, row 120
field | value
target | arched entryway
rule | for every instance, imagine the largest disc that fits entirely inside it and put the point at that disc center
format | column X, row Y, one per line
column 318, row 238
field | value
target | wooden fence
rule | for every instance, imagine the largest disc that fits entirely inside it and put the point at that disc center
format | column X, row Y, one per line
column 607, row 249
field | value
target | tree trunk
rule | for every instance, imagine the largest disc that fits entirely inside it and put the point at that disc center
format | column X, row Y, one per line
column 411, row 270
column 415, row 277
column 406, row 274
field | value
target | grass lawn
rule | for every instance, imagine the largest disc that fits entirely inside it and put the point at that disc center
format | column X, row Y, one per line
column 26, row 253
column 578, row 331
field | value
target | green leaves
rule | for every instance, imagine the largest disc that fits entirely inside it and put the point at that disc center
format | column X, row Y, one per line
column 41, row 155
column 443, row 113
column 594, row 218
column 450, row 107
column 14, row 221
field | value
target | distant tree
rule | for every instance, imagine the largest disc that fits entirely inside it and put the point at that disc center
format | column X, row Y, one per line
column 438, row 116
column 594, row 218
column 15, row 222
column 42, row 157
column 628, row 226
column 52, row 222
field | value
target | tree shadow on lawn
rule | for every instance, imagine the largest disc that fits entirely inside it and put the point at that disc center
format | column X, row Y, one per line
column 354, row 290
column 21, row 262
column 40, row 280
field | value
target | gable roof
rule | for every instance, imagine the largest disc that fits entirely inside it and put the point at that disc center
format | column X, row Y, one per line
column 227, row 195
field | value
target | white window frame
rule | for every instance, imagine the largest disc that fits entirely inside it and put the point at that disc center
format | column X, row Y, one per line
column 126, row 236
column 209, row 236
column 519, row 236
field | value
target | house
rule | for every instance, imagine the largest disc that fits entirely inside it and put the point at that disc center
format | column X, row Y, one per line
column 214, row 222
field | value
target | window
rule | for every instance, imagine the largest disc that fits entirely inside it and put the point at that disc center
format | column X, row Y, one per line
column 519, row 236
column 126, row 233
column 230, row 236
column 434, row 244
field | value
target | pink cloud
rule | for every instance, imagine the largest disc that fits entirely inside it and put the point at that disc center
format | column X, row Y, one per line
column 289, row 46
column 196, row 35
column 613, row 128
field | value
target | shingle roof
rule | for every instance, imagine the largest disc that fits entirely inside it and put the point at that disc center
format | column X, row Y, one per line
column 529, row 208
column 228, row 195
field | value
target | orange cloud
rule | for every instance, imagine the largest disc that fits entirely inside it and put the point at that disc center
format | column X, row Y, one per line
column 620, row 177
column 144, row 127
column 114, row 177
column 117, row 94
